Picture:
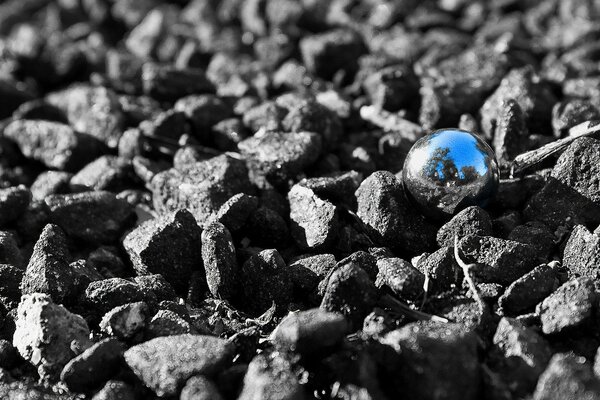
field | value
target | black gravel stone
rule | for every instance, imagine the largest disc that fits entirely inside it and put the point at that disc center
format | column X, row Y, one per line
column 169, row 245
column 13, row 203
column 92, row 110
column 526, row 292
column 349, row 291
column 267, row 115
column 532, row 95
column 582, row 253
column 95, row 217
column 235, row 212
column 48, row 270
column 200, row 388
column 277, row 156
column 558, row 204
column 567, row 376
column 337, row 188
column 9, row 250
column 470, row 221
column 566, row 114
column 168, row 124
column 310, row 332
column 267, row 281
column 94, row 366
column 158, row 285
column 327, row 53
column 266, row 228
column 535, row 234
column 108, row 173
column 523, row 355
column 167, row 323
column 106, row 294
column 311, row 116
column 164, row 364
column 126, row 321
column 579, row 167
column 401, row 277
column 500, row 261
column 314, row 221
column 10, row 292
column 220, row 263
column 50, row 182
column 392, row 220
column 270, row 377
column 308, row 270
column 203, row 111
column 203, row 189
column 511, row 136
column 435, row 358
column 442, row 269
column 392, row 88
column 165, row 83
column 570, row 308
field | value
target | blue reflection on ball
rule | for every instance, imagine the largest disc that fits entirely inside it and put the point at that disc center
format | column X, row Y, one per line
column 448, row 170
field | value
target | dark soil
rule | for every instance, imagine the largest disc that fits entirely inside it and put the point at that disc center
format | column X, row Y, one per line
column 203, row 200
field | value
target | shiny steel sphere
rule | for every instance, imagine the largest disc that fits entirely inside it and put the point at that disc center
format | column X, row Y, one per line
column 448, row 170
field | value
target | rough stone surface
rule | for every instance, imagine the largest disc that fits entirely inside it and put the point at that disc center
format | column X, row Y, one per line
column 582, row 253
column 220, row 263
column 123, row 322
column 567, row 377
column 526, row 292
column 164, row 364
column 470, row 221
column 169, row 245
column 400, row 276
column 314, row 221
column 571, row 307
column 270, row 377
column 46, row 334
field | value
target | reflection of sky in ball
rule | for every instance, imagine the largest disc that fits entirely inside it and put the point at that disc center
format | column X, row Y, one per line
column 463, row 151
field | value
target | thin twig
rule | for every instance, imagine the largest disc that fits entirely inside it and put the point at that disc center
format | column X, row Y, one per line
column 530, row 158
column 467, row 272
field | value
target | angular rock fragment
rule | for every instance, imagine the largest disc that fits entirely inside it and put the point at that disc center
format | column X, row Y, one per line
column 579, row 167
column 307, row 271
column 106, row 294
column 50, row 182
column 109, row 173
column 570, row 308
column 46, row 334
column 511, row 136
column 535, row 234
column 392, row 88
column 266, row 228
column 311, row 331
column 168, row 124
column 470, row 221
column 383, row 207
column 278, row 156
column 167, row 323
column 156, row 284
column 442, row 270
column 526, row 292
column 400, row 276
column 533, row 97
column 436, row 358
column 94, row 366
column 270, row 377
column 314, row 221
column 500, row 261
column 266, row 281
column 9, row 251
column 566, row 114
column 169, row 245
column 567, row 376
column 220, row 263
column 203, row 111
column 166, row 83
column 523, row 354
column 200, row 388
column 96, row 217
column 310, row 116
column 582, row 253
column 235, row 211
column 326, row 53
column 349, row 291
column 93, row 110
column 10, row 290
column 203, row 189
column 48, row 270
column 164, row 364
column 13, row 203
column 124, row 322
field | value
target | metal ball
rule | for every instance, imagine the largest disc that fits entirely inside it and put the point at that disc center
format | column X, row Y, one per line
column 448, row 170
